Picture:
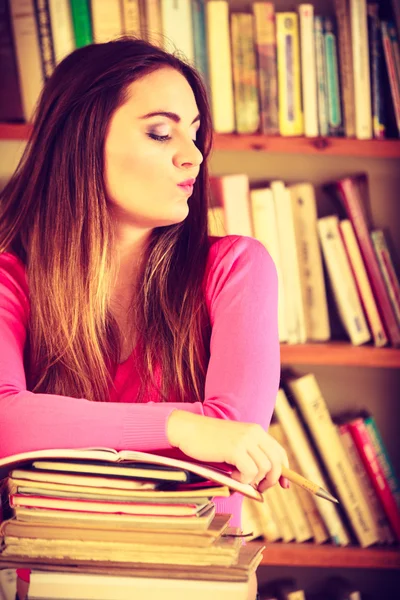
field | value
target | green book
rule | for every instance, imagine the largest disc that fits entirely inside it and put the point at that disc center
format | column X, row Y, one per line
column 81, row 22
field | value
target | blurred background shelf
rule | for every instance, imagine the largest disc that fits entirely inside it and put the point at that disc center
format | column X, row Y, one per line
column 275, row 144
column 312, row 555
column 340, row 354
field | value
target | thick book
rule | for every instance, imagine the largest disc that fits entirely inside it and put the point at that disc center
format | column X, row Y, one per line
column 217, row 473
column 342, row 10
column 112, row 507
column 82, row 586
column 224, row 551
column 115, row 520
column 250, row 556
column 58, row 530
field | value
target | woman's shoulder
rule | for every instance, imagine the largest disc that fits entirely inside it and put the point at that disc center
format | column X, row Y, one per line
column 237, row 250
column 13, row 272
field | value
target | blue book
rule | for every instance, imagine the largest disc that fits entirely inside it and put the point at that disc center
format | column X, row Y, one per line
column 200, row 38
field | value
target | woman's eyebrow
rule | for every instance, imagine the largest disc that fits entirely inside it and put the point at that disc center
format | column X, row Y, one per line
column 170, row 115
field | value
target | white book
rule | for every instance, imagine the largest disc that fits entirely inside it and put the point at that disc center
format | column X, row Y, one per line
column 342, row 281
column 176, row 18
column 106, row 20
column 294, row 306
column 216, row 221
column 362, row 84
column 315, row 412
column 61, row 28
column 308, row 69
column 48, row 585
column 27, row 48
column 265, row 230
column 312, row 282
column 220, row 66
column 309, row 466
column 233, row 194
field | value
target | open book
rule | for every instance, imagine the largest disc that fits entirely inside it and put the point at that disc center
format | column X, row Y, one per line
column 215, row 473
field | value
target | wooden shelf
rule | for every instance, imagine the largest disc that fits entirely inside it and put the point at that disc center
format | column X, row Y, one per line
column 323, row 146
column 340, row 354
column 328, row 146
column 312, row 555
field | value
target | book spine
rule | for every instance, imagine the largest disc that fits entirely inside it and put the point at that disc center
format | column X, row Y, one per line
column 308, row 69
column 290, row 112
column 266, row 231
column 131, row 21
column 391, row 70
column 11, row 102
column 295, row 316
column 387, row 269
column 81, row 21
column 332, row 77
column 322, row 93
column 200, row 38
column 244, row 73
column 362, row 86
column 220, row 66
column 176, row 20
column 265, row 40
column 308, row 250
column 281, row 515
column 27, row 51
column 315, row 412
column 152, row 24
column 346, row 65
column 383, row 458
column 382, row 525
column 106, row 20
column 42, row 15
column 309, row 466
column 376, row 66
column 343, row 284
column 291, row 500
column 61, row 28
column 394, row 38
column 362, row 440
column 362, row 282
column 350, row 195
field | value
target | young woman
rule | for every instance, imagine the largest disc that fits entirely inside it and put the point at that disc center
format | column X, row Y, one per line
column 122, row 324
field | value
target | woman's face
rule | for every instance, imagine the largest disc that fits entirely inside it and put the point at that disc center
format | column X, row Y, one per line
column 150, row 150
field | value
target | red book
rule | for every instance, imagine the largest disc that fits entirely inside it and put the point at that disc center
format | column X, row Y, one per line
column 352, row 194
column 365, row 447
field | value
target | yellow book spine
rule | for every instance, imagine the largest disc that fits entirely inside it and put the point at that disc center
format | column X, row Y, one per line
column 289, row 81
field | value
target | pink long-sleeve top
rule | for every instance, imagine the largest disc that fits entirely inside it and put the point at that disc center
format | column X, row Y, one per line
column 241, row 383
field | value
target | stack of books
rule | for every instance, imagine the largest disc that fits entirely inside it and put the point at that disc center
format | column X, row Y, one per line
column 139, row 517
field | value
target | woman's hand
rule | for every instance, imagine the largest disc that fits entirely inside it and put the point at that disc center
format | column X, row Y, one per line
column 256, row 456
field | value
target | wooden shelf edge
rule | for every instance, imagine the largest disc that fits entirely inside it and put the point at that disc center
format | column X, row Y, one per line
column 322, row 146
column 340, row 354
column 312, row 555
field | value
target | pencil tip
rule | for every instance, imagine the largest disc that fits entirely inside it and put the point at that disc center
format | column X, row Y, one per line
column 327, row 496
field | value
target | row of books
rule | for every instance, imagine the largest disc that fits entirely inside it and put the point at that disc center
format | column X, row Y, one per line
column 267, row 71
column 147, row 517
column 340, row 256
column 332, row 588
column 346, row 456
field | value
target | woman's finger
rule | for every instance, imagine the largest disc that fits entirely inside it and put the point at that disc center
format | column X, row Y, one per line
column 246, row 468
column 262, row 461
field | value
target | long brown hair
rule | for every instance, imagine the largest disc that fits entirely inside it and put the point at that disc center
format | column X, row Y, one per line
column 54, row 216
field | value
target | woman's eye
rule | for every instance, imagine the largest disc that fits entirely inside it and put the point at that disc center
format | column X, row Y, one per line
column 159, row 138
